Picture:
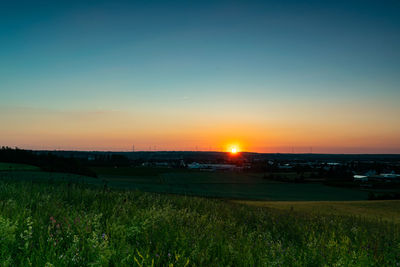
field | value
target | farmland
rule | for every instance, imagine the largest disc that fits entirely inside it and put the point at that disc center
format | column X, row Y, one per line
column 199, row 183
column 120, row 218
column 17, row 167
column 237, row 185
column 372, row 210
column 57, row 224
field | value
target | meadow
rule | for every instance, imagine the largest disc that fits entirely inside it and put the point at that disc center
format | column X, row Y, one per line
column 59, row 219
column 228, row 184
column 231, row 185
column 16, row 166
column 64, row 224
column 373, row 210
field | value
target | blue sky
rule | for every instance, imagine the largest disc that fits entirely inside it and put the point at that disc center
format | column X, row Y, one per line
column 276, row 66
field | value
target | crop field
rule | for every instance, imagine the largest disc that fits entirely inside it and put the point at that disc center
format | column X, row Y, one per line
column 17, row 167
column 240, row 185
column 386, row 210
column 60, row 224
column 49, row 177
column 234, row 185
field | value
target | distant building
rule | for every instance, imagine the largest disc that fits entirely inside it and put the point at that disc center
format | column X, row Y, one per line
column 156, row 164
column 161, row 164
column 360, row 178
column 390, row 175
column 213, row 167
column 285, row 166
column 372, row 176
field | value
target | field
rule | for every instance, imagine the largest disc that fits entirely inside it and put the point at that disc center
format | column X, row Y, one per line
column 49, row 177
column 238, row 185
column 373, row 210
column 200, row 183
column 58, row 219
column 219, row 184
column 63, row 224
column 16, row 166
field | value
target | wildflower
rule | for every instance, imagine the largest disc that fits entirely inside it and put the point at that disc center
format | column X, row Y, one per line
column 103, row 236
column 157, row 255
column 169, row 255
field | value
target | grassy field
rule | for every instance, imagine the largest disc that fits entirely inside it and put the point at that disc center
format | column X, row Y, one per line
column 62, row 224
column 233, row 185
column 17, row 167
column 387, row 210
column 239, row 185
column 49, row 177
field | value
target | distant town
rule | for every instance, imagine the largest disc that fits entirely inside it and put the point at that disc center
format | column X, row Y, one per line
column 362, row 169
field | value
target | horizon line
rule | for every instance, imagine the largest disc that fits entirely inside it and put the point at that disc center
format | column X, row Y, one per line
column 200, row 151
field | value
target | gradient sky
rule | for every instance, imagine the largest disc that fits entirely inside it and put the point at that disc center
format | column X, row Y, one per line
column 269, row 76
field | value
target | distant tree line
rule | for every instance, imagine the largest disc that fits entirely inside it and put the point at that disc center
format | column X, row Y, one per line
column 45, row 161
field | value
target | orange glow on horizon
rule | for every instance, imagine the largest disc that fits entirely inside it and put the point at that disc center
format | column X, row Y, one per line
column 118, row 130
column 233, row 149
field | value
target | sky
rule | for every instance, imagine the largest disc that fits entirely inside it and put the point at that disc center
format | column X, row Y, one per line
column 265, row 76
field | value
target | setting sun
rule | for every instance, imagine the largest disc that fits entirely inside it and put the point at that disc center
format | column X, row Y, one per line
column 233, row 148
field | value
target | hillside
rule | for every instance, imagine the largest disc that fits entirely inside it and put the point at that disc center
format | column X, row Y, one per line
column 45, row 224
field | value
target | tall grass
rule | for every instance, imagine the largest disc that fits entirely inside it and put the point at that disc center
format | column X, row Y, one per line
column 74, row 225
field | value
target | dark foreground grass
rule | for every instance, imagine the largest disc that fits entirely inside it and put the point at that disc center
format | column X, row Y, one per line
column 388, row 210
column 61, row 225
column 17, row 167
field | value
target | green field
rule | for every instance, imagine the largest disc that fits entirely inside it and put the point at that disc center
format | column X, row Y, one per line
column 387, row 210
column 239, row 185
column 49, row 177
column 59, row 224
column 199, row 183
column 17, row 167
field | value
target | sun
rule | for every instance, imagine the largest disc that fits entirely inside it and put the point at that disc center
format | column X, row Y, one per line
column 233, row 149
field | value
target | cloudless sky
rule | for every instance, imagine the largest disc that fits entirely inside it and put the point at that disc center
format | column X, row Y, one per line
column 269, row 76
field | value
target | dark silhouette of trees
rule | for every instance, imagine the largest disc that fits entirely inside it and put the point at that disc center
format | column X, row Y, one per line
column 45, row 161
